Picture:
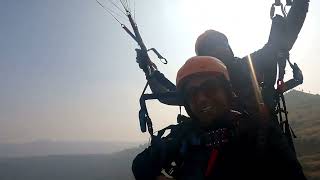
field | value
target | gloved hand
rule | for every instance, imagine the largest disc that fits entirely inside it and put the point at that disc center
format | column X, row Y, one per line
column 297, row 73
column 144, row 61
column 142, row 58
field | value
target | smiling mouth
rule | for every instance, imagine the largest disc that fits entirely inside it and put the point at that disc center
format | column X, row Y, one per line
column 208, row 109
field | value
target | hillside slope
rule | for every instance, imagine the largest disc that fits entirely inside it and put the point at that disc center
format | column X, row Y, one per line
column 304, row 117
column 304, row 114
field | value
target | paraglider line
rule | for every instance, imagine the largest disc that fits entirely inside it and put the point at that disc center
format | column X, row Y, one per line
column 109, row 11
column 113, row 3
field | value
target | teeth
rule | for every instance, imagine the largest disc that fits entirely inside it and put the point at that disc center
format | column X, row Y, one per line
column 206, row 109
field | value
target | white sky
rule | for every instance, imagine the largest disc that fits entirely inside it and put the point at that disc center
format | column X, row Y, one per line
column 68, row 70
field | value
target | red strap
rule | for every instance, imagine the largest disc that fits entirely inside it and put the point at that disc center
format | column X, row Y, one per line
column 211, row 162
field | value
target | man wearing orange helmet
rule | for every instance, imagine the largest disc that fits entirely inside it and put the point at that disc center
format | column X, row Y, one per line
column 204, row 85
column 216, row 142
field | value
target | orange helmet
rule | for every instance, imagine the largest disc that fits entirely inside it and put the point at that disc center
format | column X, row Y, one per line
column 209, row 39
column 201, row 64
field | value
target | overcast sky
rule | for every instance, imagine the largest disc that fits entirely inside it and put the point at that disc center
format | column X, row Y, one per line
column 68, row 71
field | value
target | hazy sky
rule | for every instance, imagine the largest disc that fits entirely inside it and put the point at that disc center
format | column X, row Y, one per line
column 68, row 71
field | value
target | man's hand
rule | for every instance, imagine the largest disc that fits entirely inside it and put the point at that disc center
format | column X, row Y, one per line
column 144, row 61
column 297, row 73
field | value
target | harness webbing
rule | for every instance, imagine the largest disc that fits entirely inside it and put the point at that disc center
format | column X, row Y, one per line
column 212, row 161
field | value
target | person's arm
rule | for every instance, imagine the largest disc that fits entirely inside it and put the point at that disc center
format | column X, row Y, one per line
column 159, row 155
column 146, row 165
column 157, row 81
column 282, row 36
column 160, row 84
column 295, row 20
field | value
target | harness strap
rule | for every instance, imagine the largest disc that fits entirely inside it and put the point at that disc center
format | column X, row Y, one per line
column 212, row 161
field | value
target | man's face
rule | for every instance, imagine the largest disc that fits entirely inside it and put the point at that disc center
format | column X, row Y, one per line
column 206, row 99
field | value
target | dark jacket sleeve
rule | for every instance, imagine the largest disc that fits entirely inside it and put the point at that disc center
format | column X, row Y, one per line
column 264, row 60
column 160, row 84
column 295, row 19
column 157, row 81
column 145, row 166
column 163, row 150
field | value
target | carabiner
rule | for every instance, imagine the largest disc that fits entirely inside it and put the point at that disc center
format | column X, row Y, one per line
column 162, row 59
column 278, row 3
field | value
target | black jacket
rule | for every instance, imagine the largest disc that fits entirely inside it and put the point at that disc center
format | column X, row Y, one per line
column 245, row 155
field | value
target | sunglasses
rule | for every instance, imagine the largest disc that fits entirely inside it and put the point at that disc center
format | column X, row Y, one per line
column 208, row 87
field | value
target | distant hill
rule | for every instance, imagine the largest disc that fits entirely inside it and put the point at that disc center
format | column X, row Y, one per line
column 116, row 166
column 311, row 165
column 304, row 117
column 45, row 148
column 304, row 114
